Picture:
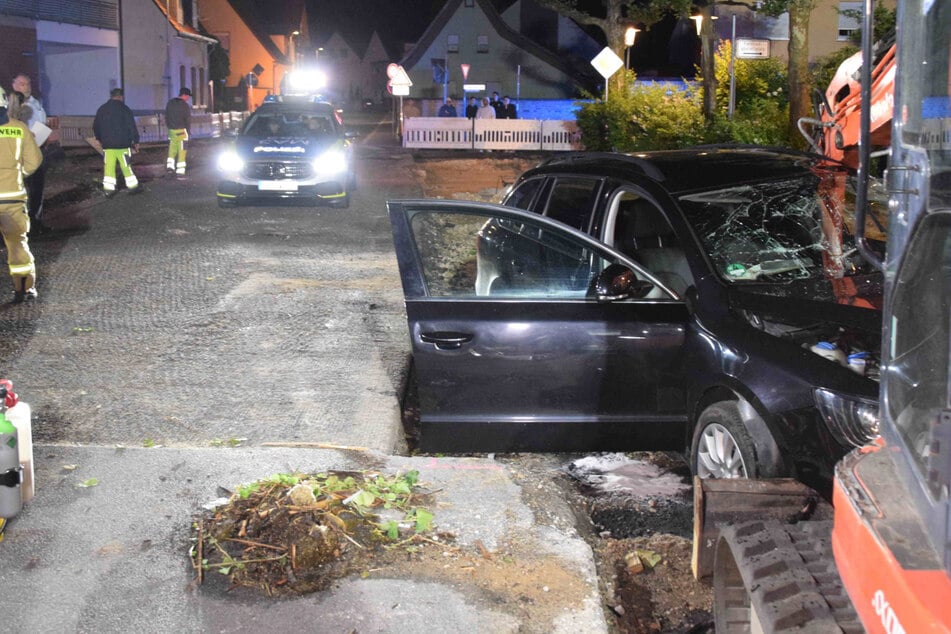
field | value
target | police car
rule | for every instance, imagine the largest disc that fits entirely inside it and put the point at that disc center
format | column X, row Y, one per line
column 291, row 148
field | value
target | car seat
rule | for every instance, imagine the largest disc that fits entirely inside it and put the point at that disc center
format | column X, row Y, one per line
column 643, row 233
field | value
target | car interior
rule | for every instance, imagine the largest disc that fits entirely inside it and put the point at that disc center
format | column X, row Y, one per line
column 642, row 232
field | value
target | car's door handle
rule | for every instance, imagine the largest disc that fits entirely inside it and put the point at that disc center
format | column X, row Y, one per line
column 446, row 340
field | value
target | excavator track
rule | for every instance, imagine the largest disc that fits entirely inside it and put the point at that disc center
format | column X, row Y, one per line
column 775, row 577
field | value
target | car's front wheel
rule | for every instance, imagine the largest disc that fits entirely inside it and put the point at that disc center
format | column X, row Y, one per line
column 226, row 202
column 722, row 446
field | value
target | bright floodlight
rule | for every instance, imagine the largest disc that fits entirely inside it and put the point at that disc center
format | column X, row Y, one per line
column 306, row 81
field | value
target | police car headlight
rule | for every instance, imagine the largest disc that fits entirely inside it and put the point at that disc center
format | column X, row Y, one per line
column 230, row 162
column 331, row 162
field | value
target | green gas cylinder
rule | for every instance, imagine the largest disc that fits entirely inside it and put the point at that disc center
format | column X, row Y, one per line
column 11, row 473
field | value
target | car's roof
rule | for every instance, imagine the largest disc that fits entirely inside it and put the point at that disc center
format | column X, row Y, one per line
column 694, row 169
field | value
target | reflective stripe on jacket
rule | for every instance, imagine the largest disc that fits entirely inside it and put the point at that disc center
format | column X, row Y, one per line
column 19, row 157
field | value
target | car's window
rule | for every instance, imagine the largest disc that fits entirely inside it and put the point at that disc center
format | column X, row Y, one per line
column 523, row 194
column 637, row 227
column 572, row 201
column 473, row 255
column 777, row 231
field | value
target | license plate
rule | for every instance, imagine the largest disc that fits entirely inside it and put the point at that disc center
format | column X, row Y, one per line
column 277, row 186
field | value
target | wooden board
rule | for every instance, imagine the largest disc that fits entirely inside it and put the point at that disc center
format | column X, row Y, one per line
column 730, row 501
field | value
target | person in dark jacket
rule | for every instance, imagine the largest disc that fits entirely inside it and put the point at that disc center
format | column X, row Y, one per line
column 114, row 128
column 508, row 108
column 472, row 108
column 178, row 121
column 448, row 109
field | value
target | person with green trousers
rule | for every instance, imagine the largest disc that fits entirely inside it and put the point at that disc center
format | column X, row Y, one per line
column 114, row 127
column 178, row 122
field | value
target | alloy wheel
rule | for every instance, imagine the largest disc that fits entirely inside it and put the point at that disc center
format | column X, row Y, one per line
column 719, row 455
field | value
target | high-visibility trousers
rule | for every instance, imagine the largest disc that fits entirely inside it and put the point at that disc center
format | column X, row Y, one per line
column 177, row 150
column 14, row 225
column 124, row 158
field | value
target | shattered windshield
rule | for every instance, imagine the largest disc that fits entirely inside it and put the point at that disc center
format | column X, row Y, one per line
column 776, row 232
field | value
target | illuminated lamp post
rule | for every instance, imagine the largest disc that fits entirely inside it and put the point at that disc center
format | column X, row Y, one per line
column 629, row 35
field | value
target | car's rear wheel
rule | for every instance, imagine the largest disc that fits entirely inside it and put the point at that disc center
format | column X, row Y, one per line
column 722, row 447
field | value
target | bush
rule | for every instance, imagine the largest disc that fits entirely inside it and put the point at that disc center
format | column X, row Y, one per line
column 643, row 117
column 657, row 116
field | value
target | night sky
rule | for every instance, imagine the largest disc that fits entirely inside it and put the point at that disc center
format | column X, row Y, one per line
column 668, row 49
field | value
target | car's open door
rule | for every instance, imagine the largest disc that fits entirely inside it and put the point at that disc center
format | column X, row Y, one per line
column 522, row 341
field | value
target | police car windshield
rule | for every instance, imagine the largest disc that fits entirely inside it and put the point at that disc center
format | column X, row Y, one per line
column 285, row 124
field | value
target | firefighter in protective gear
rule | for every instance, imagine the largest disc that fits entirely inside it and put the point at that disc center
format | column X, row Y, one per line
column 19, row 157
column 178, row 122
column 114, row 128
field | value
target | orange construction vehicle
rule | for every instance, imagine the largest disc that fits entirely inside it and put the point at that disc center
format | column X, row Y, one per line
column 883, row 562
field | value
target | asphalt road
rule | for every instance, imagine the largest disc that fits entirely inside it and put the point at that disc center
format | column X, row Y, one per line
column 164, row 319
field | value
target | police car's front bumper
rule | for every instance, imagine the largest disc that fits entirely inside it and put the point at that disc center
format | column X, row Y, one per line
column 239, row 191
column 277, row 179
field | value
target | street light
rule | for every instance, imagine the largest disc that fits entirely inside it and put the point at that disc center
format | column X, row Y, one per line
column 698, row 19
column 628, row 43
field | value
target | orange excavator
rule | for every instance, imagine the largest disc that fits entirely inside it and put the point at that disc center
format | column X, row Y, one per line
column 883, row 561
column 835, row 130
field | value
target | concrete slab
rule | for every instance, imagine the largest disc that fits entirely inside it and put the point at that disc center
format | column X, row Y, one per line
column 113, row 557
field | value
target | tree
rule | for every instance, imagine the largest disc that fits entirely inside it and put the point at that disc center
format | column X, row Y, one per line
column 797, row 71
column 617, row 16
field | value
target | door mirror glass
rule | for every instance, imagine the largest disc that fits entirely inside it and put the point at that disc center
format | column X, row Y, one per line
column 619, row 282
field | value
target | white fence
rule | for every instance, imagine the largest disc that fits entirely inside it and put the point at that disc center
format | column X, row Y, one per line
column 453, row 133
column 74, row 131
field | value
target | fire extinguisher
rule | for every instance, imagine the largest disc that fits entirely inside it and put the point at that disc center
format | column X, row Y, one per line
column 11, row 471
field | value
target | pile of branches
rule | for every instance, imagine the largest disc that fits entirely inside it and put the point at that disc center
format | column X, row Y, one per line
column 296, row 533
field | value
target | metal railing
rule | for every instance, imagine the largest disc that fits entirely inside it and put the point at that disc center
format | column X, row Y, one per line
column 453, row 133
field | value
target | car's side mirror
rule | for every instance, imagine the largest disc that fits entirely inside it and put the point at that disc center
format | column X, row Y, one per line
column 618, row 282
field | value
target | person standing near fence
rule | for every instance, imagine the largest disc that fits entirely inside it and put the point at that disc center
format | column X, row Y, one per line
column 472, row 108
column 486, row 110
column 508, row 108
column 32, row 113
column 19, row 157
column 448, row 109
column 114, row 128
column 178, row 114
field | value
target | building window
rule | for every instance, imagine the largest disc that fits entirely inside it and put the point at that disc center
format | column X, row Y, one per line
column 850, row 13
column 470, row 4
column 182, row 78
column 482, row 44
column 201, row 87
column 194, row 85
column 452, row 44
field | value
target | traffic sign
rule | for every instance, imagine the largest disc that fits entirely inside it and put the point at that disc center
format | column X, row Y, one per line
column 607, row 62
column 399, row 76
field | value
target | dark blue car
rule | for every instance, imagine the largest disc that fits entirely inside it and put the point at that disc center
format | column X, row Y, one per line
column 709, row 301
